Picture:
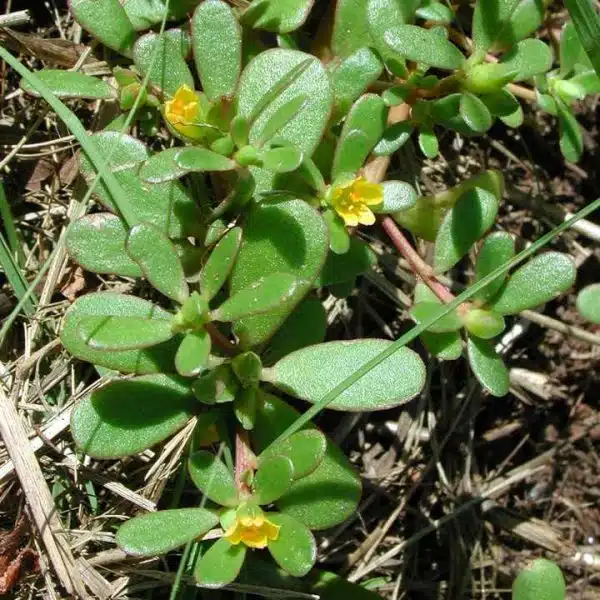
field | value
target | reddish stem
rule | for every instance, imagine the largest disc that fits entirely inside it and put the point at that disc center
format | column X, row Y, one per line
column 220, row 340
column 417, row 264
column 245, row 460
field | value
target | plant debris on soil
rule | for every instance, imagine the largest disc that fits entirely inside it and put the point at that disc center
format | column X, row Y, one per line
column 421, row 530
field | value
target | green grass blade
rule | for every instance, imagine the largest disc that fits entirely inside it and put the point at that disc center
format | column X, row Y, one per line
column 78, row 130
column 12, row 237
column 16, row 279
column 587, row 24
column 410, row 335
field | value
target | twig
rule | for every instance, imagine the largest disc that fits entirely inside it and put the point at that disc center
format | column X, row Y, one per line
column 15, row 19
column 39, row 498
column 245, row 460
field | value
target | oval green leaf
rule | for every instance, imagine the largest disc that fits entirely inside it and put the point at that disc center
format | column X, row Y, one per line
column 541, row 580
column 535, row 283
column 130, row 415
column 340, row 268
column 528, row 58
column 107, row 304
column 393, row 138
column 157, row 533
column 588, row 303
column 311, row 373
column 475, row 113
column 488, row 367
column 220, row 565
column 192, row 354
column 397, row 196
column 159, row 261
column 212, row 478
column 295, row 549
column 217, row 43
column 161, row 167
column 497, row 249
column 273, row 479
column 71, row 84
column 220, row 263
column 422, row 311
column 200, row 159
column 280, row 16
column 97, row 243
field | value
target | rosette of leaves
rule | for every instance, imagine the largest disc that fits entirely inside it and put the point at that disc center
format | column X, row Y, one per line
column 558, row 90
column 464, row 220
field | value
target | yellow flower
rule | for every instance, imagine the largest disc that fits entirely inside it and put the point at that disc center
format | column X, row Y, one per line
column 184, row 112
column 351, row 200
column 252, row 528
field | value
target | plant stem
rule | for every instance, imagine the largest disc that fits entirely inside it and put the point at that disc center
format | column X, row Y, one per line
column 245, row 460
column 220, row 340
column 418, row 266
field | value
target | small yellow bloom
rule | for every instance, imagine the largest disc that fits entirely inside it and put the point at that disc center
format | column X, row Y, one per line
column 184, row 113
column 254, row 530
column 351, row 201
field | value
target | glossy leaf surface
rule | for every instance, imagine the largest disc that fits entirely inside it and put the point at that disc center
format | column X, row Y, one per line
column 528, row 58
column 161, row 167
column 350, row 31
column 130, row 415
column 212, row 478
column 475, row 113
column 310, row 373
column 422, row 311
column 327, row 496
column 71, row 84
column 200, row 159
column 192, row 354
column 488, row 366
column 107, row 304
column 273, row 478
column 220, row 564
column 497, row 249
column 305, row 449
column 217, row 44
column 295, row 549
column 157, row 533
column 397, row 196
column 220, row 263
column 280, row 236
column 281, row 16
column 588, row 303
column 159, row 261
column 393, row 138
column 541, row 580
column 536, row 282
column 97, row 243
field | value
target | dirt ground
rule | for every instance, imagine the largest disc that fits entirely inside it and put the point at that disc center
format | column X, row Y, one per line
column 533, row 455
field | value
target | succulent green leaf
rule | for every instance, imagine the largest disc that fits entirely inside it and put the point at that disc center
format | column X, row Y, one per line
column 497, row 249
column 340, row 268
column 500, row 103
column 107, row 304
column 428, row 142
column 339, row 237
column 295, row 549
column 571, row 137
column 161, row 167
column 352, row 76
column 280, row 236
column 305, row 449
column 541, row 580
column 280, row 118
column 261, row 296
column 350, row 31
column 397, row 196
column 362, row 129
column 528, row 58
column 488, row 367
column 475, row 113
column 436, row 12
column 485, row 324
column 393, row 138
column 159, row 261
column 310, row 373
column 473, row 214
column 424, row 46
column 572, row 53
column 168, row 206
column 245, row 407
column 217, row 44
column 280, row 16
column 123, row 333
column 331, row 586
column 266, row 72
column 169, row 70
column 444, row 346
column 220, row 263
column 220, row 565
column 422, row 311
column 128, row 416
column 159, row 532
column 305, row 326
column 536, row 282
column 71, row 84
column 198, row 159
column 588, row 303
column 106, row 21
column 97, row 243
column 282, row 159
column 524, row 21
column 212, row 478
column 216, row 386
column 325, row 497
column 144, row 14
column 192, row 354
column 497, row 25
column 273, row 479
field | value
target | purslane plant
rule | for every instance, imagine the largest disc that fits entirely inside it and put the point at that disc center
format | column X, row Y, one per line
column 268, row 168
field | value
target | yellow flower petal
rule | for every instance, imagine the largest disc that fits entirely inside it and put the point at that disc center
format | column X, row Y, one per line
column 352, row 199
column 255, row 531
column 184, row 113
